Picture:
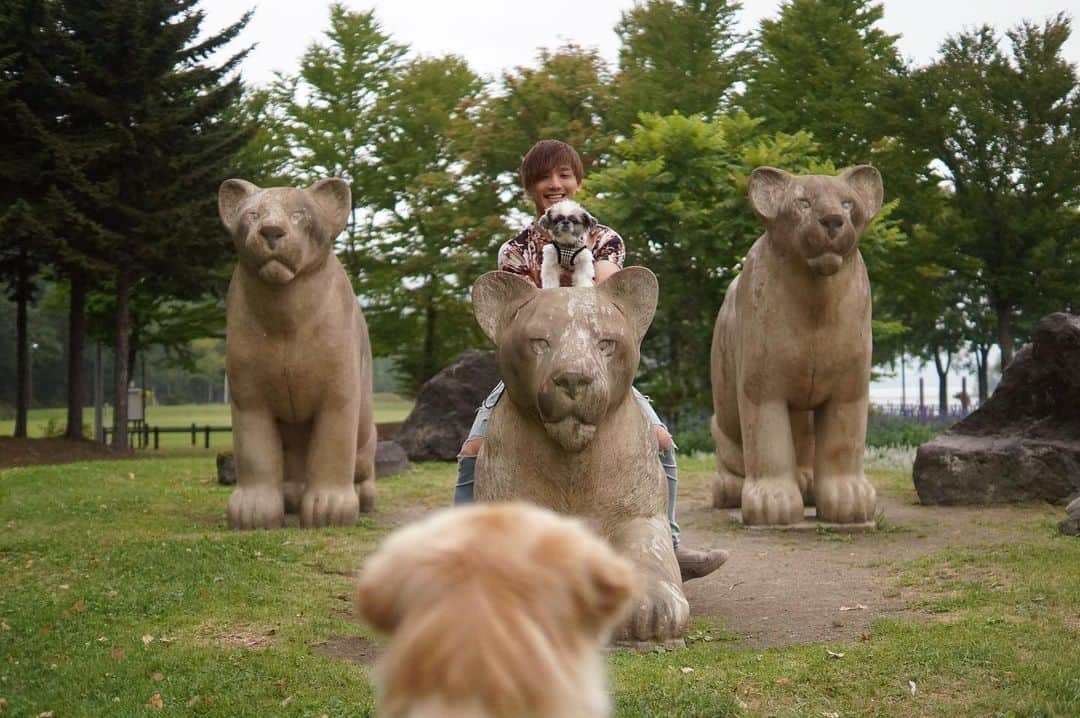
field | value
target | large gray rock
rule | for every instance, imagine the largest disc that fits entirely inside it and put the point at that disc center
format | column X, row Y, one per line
column 1024, row 442
column 390, row 459
column 1071, row 525
column 445, row 407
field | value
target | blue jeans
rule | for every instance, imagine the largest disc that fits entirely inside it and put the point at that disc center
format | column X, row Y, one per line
column 463, row 490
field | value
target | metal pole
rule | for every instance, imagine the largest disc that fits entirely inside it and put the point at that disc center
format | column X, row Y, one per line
column 99, row 425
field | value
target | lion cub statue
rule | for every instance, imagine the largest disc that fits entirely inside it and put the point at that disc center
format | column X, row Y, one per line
column 791, row 354
column 298, row 360
column 567, row 434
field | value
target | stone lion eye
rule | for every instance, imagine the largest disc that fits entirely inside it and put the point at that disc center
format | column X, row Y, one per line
column 847, row 204
column 252, row 215
column 804, row 203
column 539, row 346
column 297, row 216
column 607, row 346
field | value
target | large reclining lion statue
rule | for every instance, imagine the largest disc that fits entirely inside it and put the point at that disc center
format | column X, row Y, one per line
column 298, row 360
column 568, row 435
column 791, row 354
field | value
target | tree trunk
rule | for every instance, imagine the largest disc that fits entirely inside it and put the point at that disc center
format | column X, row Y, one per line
column 122, row 369
column 76, row 342
column 430, row 314
column 943, row 382
column 982, row 353
column 22, row 353
column 1005, row 337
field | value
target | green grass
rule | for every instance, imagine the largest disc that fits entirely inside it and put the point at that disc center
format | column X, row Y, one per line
column 98, row 558
column 388, row 408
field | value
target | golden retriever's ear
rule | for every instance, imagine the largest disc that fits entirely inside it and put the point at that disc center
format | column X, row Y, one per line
column 380, row 591
column 610, row 582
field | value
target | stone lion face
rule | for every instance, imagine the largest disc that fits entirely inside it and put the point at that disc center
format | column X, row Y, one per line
column 816, row 217
column 567, row 355
column 281, row 232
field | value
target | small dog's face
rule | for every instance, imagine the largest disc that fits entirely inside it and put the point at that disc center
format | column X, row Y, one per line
column 512, row 595
column 567, row 221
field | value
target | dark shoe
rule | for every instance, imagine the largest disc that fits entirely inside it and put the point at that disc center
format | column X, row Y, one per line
column 695, row 564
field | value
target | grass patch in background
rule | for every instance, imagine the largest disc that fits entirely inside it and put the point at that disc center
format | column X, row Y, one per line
column 122, row 583
column 52, row 422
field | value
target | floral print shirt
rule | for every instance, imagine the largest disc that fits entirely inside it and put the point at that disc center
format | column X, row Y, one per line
column 524, row 254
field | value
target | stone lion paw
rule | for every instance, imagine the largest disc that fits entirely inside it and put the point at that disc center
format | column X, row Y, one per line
column 771, row 502
column 256, row 508
column 329, row 507
column 365, row 490
column 727, row 491
column 659, row 615
column 845, row 499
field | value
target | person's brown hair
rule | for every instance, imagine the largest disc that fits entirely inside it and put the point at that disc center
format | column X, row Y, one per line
column 544, row 156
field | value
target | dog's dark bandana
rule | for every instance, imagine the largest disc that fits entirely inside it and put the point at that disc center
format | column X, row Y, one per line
column 567, row 255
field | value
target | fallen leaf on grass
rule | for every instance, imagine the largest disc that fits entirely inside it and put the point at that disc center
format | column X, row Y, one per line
column 856, row 607
column 830, row 714
column 118, row 654
column 79, row 606
column 157, row 676
column 783, row 681
column 865, row 637
column 147, row 639
column 193, row 701
column 286, row 702
column 912, row 686
column 3, row 705
column 46, row 714
column 156, row 701
column 4, row 626
column 686, row 669
column 833, row 654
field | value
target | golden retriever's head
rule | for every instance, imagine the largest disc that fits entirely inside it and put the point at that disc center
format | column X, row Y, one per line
column 497, row 604
column 282, row 232
column 817, row 217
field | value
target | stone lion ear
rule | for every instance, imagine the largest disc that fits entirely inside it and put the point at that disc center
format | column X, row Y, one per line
column 866, row 181
column 634, row 291
column 496, row 297
column 231, row 195
column 766, row 189
column 334, row 199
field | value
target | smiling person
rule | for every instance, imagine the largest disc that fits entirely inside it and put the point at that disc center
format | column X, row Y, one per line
column 551, row 171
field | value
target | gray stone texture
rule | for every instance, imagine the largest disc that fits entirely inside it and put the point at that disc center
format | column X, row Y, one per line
column 1023, row 444
column 390, row 459
column 446, row 406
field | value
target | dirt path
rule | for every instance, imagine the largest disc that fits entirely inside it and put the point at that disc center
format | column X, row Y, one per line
column 783, row 587
column 788, row 587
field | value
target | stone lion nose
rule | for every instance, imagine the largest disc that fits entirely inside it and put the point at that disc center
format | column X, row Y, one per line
column 832, row 222
column 572, row 382
column 271, row 233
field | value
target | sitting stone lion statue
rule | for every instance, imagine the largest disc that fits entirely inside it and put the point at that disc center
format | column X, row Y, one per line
column 791, row 354
column 298, row 360
column 570, row 436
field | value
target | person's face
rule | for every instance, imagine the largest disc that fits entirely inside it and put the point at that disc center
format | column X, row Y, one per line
column 558, row 184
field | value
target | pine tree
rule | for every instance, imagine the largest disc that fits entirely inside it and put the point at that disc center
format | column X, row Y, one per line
column 155, row 148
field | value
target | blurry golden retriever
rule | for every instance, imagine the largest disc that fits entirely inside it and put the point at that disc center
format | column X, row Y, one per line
column 494, row 611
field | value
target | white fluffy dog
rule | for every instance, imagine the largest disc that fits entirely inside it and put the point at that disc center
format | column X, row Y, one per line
column 568, row 223
column 494, row 611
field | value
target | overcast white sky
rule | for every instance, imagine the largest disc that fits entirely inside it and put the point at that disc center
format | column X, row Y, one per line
column 495, row 35
column 498, row 35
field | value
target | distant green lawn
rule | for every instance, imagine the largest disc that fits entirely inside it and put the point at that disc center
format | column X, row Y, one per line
column 121, row 586
column 388, row 408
